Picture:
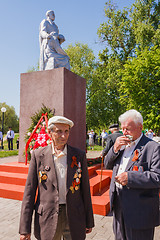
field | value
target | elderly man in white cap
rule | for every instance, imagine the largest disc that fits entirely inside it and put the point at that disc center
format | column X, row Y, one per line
column 63, row 203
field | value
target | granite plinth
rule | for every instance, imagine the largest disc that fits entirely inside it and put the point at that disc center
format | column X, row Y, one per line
column 58, row 89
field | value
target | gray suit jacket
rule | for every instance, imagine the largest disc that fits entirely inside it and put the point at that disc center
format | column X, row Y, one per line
column 140, row 198
column 78, row 204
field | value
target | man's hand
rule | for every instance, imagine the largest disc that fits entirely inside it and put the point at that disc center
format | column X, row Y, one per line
column 25, row 236
column 122, row 178
column 120, row 141
column 88, row 230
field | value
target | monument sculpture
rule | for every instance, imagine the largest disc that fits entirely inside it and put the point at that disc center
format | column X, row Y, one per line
column 51, row 53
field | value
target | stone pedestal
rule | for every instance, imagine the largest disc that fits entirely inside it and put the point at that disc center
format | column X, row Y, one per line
column 59, row 89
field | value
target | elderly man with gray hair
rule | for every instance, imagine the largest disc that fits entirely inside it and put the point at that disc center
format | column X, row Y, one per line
column 59, row 175
column 134, row 188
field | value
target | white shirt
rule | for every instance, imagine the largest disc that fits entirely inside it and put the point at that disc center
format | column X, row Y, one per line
column 125, row 157
column 61, row 170
column 10, row 134
column 104, row 135
column 1, row 136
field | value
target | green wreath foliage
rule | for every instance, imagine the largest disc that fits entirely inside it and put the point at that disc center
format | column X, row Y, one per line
column 36, row 117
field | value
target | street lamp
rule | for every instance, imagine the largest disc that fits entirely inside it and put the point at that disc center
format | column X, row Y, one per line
column 3, row 110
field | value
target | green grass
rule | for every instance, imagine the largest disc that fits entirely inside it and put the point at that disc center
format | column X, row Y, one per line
column 5, row 152
column 96, row 148
column 8, row 153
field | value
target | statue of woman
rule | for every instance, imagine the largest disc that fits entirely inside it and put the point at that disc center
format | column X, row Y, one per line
column 51, row 53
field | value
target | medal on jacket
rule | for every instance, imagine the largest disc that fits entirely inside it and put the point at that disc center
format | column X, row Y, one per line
column 76, row 179
column 42, row 176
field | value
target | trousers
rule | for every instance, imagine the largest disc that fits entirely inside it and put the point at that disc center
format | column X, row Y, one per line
column 62, row 231
column 121, row 230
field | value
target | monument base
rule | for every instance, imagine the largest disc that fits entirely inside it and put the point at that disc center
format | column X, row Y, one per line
column 58, row 89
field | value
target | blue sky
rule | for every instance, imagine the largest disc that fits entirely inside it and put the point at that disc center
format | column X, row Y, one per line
column 77, row 20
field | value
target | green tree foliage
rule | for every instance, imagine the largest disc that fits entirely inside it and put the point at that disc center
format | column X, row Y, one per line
column 140, row 85
column 126, row 29
column 36, row 117
column 124, row 32
column 10, row 118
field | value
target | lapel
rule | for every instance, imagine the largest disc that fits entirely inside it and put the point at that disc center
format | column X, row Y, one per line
column 46, row 159
column 118, row 162
column 139, row 147
column 70, row 171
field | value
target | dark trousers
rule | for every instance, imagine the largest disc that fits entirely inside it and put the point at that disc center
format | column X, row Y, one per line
column 121, row 231
column 10, row 143
column 62, row 225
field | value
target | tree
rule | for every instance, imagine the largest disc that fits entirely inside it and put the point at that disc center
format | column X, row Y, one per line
column 126, row 29
column 10, row 118
column 140, row 85
column 123, row 32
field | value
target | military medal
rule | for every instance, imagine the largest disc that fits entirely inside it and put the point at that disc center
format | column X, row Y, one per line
column 42, row 176
column 76, row 179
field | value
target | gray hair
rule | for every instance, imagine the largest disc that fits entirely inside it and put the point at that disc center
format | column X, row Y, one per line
column 131, row 114
column 51, row 126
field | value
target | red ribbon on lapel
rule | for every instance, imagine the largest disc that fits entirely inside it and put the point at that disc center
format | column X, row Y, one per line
column 74, row 162
column 135, row 157
column 135, row 168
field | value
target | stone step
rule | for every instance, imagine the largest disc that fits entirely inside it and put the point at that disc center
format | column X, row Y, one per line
column 13, row 178
column 92, row 169
column 95, row 183
column 14, row 167
column 105, row 172
column 101, row 205
column 11, row 191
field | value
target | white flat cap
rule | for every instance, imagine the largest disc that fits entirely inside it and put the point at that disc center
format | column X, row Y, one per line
column 60, row 119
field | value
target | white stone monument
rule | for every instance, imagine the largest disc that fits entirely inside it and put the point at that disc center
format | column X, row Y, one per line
column 51, row 53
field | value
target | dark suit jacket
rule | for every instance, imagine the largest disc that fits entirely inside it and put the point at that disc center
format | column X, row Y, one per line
column 78, row 204
column 140, row 198
column 110, row 140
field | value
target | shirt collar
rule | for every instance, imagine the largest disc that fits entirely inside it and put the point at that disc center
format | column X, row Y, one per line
column 64, row 152
column 138, row 139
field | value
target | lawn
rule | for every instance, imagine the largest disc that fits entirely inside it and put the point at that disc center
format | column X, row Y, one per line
column 96, row 148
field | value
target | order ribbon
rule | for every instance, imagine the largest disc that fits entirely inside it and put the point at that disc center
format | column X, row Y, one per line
column 74, row 162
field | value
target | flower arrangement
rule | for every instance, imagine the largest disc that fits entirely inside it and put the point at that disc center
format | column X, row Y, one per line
column 37, row 136
column 40, row 138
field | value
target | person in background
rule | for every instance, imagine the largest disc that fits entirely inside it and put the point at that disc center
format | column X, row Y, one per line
column 1, row 136
column 17, row 142
column 111, row 138
column 104, row 135
column 134, row 188
column 91, row 139
column 150, row 134
column 58, row 174
column 10, row 137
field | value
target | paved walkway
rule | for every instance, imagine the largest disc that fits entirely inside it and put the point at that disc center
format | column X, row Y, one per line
column 10, row 213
